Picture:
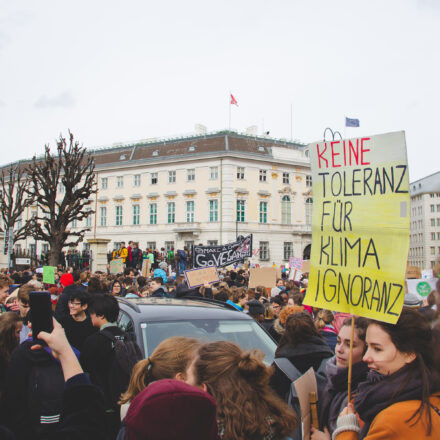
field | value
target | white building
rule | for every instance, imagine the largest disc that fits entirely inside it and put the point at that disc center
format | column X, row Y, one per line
column 424, row 249
column 204, row 189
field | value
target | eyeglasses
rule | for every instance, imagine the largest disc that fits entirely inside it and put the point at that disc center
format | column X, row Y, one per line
column 76, row 304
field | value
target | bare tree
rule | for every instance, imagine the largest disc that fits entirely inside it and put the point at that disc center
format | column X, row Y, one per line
column 72, row 169
column 14, row 198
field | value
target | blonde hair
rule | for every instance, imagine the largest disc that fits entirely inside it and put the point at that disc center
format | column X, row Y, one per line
column 323, row 318
column 170, row 357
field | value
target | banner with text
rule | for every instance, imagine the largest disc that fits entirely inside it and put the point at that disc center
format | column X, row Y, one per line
column 220, row 256
column 360, row 226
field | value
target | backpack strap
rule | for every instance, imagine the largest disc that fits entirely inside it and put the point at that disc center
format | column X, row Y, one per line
column 109, row 335
column 290, row 371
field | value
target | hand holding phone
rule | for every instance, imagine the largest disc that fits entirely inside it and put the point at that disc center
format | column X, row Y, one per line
column 40, row 313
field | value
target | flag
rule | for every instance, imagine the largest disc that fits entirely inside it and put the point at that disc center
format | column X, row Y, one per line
column 233, row 100
column 350, row 122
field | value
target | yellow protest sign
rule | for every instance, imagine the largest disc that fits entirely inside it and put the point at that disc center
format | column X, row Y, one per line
column 360, row 226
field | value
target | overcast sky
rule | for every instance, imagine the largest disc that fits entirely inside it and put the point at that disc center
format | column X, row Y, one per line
column 118, row 71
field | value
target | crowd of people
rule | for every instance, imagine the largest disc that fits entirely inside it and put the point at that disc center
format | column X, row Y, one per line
column 87, row 379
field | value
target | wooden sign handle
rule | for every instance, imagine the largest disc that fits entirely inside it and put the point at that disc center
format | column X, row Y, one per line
column 314, row 421
column 350, row 359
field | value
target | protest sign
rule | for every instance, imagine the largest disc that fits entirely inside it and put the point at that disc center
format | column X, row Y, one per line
column 412, row 272
column 306, row 266
column 199, row 277
column 427, row 274
column 303, row 386
column 49, row 274
column 421, row 287
column 360, row 226
column 262, row 276
column 146, row 266
column 295, row 263
column 224, row 255
column 23, row 261
column 116, row 266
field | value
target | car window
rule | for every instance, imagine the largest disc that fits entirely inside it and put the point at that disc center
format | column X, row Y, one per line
column 247, row 334
column 125, row 323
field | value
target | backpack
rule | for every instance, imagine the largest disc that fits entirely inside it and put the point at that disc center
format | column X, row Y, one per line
column 45, row 396
column 126, row 354
column 292, row 373
column 182, row 255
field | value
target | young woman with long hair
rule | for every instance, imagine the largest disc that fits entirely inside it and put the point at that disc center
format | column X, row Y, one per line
column 247, row 408
column 324, row 322
column 401, row 397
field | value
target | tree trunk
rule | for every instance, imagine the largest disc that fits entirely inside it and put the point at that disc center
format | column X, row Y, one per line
column 55, row 249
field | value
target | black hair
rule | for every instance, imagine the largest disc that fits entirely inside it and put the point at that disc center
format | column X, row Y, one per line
column 141, row 282
column 104, row 305
column 158, row 280
column 80, row 295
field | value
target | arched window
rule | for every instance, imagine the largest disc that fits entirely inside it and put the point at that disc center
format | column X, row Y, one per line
column 309, row 205
column 286, row 211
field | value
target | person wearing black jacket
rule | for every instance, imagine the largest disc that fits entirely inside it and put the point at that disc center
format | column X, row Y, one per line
column 157, row 288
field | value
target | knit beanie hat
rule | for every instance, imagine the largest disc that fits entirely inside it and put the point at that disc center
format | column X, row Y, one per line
column 66, row 279
column 169, row 409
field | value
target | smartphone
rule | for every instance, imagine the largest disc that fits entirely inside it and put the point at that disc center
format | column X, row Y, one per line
column 40, row 313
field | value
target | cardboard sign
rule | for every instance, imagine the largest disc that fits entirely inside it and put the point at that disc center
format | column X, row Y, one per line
column 412, row 272
column 427, row 274
column 146, row 267
column 49, row 274
column 360, row 226
column 421, row 287
column 199, row 277
column 116, row 266
column 303, row 386
column 306, row 266
column 295, row 263
column 262, row 276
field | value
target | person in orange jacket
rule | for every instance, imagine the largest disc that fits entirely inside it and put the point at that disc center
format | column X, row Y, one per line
column 401, row 397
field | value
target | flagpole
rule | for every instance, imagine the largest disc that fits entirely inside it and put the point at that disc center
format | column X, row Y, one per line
column 230, row 99
column 291, row 122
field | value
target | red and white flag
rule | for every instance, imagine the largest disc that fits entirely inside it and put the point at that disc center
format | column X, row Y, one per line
column 233, row 100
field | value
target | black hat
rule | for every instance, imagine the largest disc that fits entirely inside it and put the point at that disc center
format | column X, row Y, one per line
column 255, row 307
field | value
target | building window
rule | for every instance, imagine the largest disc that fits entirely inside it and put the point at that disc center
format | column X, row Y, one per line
column 154, row 178
column 308, row 180
column 88, row 221
column 286, row 211
column 433, row 222
column 45, row 247
column 74, row 223
column 104, row 182
column 263, row 212
column 153, row 213
column 309, row 207
column 432, row 250
column 171, row 177
column 169, row 246
column 151, row 245
column 438, row 222
column 264, row 250
column 213, row 173
column 287, row 250
column 438, row 208
column 119, row 215
column 432, row 235
column 286, row 178
column 240, row 173
column 137, row 180
column 190, row 211
column 191, row 175
column 189, row 244
column 119, row 181
column 263, row 175
column 438, row 235
column 213, row 210
column 136, row 214
column 212, row 242
column 241, row 210
column 171, row 212
column 61, row 188
column 18, row 224
column 432, row 208
column 103, row 216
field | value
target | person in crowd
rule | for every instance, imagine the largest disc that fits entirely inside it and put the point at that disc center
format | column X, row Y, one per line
column 401, row 397
column 239, row 382
column 123, row 252
column 23, row 309
column 278, row 327
column 94, row 285
column 161, row 271
column 10, row 328
column 324, row 322
column 169, row 360
column 70, row 281
column 334, row 397
column 269, row 316
column 157, row 288
column 256, row 310
column 78, row 325
column 117, row 289
column 5, row 282
column 172, row 410
column 304, row 347
column 129, row 260
column 98, row 356
column 238, row 299
column 136, row 255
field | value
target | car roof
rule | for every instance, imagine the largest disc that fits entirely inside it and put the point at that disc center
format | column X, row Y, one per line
column 172, row 309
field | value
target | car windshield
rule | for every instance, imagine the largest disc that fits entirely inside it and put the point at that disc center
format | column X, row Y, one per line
column 247, row 334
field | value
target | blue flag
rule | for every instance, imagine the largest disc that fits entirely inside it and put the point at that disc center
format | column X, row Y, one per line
column 351, row 122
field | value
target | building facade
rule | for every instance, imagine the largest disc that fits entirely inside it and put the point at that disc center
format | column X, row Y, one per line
column 205, row 189
column 424, row 249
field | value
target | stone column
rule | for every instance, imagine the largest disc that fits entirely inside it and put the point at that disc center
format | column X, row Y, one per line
column 3, row 257
column 98, row 248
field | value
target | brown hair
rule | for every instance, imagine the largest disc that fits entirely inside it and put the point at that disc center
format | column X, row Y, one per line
column 323, row 318
column 299, row 329
column 287, row 311
column 360, row 325
column 170, row 357
column 8, row 337
column 23, row 293
column 247, row 408
column 5, row 281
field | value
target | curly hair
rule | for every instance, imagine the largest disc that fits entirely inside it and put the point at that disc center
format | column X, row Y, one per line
column 247, row 408
column 9, row 322
column 287, row 311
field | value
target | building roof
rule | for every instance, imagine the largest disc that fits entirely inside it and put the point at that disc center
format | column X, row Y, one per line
column 428, row 184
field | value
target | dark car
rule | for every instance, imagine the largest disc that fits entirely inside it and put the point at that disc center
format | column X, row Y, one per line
column 151, row 320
